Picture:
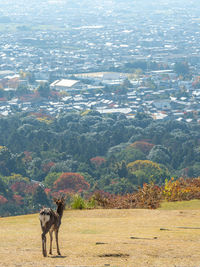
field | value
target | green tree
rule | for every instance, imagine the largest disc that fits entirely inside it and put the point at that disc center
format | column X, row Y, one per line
column 39, row 198
column 22, row 90
column 51, row 178
column 160, row 154
column 181, row 68
column 44, row 89
column 147, row 171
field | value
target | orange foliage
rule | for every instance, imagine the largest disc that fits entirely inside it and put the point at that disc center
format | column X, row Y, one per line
column 72, row 182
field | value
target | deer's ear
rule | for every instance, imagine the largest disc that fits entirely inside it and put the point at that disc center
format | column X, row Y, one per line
column 55, row 199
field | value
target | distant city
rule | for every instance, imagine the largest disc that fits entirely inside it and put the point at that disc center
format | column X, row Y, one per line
column 109, row 56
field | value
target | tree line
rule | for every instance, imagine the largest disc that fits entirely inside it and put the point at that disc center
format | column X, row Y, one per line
column 88, row 151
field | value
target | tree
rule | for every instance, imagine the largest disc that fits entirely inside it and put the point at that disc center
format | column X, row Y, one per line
column 72, row 182
column 147, row 171
column 159, row 154
column 143, row 146
column 43, row 89
column 120, row 186
column 181, row 68
column 39, row 197
column 3, row 187
column 98, row 161
column 6, row 161
column 22, row 90
column 121, row 169
column 51, row 178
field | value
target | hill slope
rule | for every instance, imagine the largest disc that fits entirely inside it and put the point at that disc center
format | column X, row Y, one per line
column 103, row 237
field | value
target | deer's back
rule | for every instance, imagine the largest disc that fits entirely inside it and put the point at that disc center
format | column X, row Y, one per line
column 49, row 219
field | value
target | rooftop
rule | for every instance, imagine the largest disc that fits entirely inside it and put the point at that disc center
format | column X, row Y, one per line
column 64, row 83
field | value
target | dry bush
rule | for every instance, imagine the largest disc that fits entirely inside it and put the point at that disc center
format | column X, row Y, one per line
column 148, row 197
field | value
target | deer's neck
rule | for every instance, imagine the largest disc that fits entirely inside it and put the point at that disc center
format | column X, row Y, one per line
column 60, row 211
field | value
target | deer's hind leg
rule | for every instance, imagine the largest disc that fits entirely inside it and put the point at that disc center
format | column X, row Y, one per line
column 44, row 240
column 51, row 239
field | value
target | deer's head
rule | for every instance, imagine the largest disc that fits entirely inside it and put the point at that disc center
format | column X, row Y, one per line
column 60, row 202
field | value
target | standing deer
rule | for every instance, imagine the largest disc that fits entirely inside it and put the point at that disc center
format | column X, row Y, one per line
column 50, row 221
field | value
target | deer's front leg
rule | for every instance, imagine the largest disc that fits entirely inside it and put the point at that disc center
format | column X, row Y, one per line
column 44, row 251
column 58, row 250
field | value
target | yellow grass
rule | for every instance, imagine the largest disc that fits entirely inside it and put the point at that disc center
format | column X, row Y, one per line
column 106, row 238
column 181, row 205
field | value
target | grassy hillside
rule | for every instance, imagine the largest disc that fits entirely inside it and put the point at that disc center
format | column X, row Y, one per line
column 193, row 204
column 106, row 238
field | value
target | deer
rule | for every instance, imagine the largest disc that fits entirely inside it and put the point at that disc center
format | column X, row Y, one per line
column 50, row 221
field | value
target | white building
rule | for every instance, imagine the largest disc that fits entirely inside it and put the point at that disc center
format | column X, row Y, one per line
column 65, row 85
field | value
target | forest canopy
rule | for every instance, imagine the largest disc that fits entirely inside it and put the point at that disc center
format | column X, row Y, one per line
column 78, row 152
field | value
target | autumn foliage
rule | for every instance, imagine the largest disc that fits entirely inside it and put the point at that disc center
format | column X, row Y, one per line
column 144, row 164
column 182, row 189
column 46, row 167
column 97, row 161
column 23, row 187
column 3, row 200
column 143, row 146
column 150, row 195
column 71, row 182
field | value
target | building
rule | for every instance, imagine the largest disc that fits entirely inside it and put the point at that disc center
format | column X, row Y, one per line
column 66, row 85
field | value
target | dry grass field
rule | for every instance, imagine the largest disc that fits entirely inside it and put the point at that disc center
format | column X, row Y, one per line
column 107, row 238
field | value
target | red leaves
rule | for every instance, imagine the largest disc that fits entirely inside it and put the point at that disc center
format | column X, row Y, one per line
column 3, row 200
column 70, row 181
column 18, row 199
column 23, row 187
column 46, row 167
column 97, row 161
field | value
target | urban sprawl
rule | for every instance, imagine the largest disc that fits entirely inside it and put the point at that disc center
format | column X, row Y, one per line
column 108, row 56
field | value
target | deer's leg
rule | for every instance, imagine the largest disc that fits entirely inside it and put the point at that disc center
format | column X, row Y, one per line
column 51, row 239
column 56, row 234
column 44, row 251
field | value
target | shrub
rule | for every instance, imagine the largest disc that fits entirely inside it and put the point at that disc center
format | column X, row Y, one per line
column 78, row 202
column 147, row 197
column 181, row 189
